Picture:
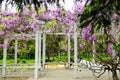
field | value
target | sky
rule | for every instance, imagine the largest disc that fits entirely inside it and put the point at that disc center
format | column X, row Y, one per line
column 68, row 5
column 10, row 8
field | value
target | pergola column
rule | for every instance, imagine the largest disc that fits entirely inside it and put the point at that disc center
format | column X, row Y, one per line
column 4, row 58
column 68, row 50
column 113, row 30
column 44, row 49
column 15, row 57
column 36, row 55
column 75, row 51
column 39, row 61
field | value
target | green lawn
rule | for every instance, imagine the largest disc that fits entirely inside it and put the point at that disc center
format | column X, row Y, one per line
column 56, row 59
column 20, row 61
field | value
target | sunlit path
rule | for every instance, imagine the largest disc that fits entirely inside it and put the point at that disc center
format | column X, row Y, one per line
column 67, row 74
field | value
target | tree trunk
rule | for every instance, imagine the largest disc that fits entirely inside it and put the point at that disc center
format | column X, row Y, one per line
column 53, row 57
column 114, row 72
column 48, row 57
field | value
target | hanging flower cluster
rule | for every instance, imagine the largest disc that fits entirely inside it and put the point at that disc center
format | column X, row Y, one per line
column 86, row 32
column 80, row 46
column 114, row 37
column 28, row 21
column 109, row 49
column 92, row 38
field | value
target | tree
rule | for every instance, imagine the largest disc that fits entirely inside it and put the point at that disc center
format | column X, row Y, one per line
column 102, row 14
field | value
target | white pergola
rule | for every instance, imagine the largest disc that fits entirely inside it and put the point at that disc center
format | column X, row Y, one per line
column 41, row 36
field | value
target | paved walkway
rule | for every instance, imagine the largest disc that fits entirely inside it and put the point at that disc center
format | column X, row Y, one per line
column 66, row 74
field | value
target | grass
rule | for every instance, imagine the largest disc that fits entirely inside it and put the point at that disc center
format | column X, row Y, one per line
column 21, row 61
column 62, row 59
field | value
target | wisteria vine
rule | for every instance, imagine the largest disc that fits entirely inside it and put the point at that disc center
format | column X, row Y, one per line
column 29, row 21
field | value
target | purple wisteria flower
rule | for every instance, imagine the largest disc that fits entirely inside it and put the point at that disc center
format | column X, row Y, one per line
column 2, row 33
column 109, row 49
column 66, row 21
column 19, row 15
column 118, row 29
column 22, row 38
column 92, row 38
column 86, row 32
column 66, row 30
column 59, row 19
column 114, row 37
column 80, row 46
column 24, row 45
column 26, row 11
column 8, row 35
column 89, row 27
column 57, row 12
column 6, row 44
column 8, row 23
column 9, row 14
column 44, row 16
column 22, row 28
column 72, row 37
column 79, row 7
column 35, row 29
column 1, row 46
column 114, row 16
column 18, row 46
column 8, row 27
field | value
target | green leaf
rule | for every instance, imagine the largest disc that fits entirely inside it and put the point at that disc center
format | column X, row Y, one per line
column 40, row 11
column 50, row 24
column 29, row 7
column 31, row 20
column 1, row 26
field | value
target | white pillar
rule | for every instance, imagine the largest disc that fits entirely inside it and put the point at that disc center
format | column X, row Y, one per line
column 15, row 57
column 39, row 61
column 44, row 49
column 75, row 51
column 68, row 50
column 113, row 51
column 36, row 56
column 4, row 59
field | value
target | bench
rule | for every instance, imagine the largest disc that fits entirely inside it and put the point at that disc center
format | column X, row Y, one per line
column 97, row 69
column 57, row 63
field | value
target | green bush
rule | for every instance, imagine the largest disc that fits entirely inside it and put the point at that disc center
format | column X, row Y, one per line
column 18, row 61
column 23, row 60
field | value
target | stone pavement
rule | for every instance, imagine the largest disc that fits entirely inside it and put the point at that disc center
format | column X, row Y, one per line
column 68, row 74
